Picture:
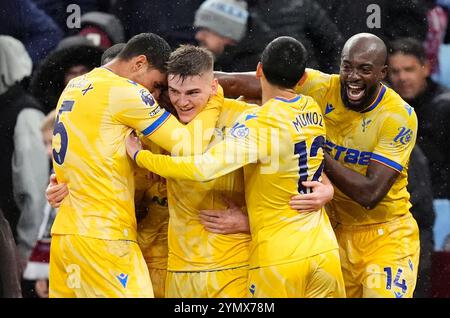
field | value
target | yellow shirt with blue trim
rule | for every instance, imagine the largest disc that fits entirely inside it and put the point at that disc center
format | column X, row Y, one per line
column 95, row 113
column 152, row 229
column 191, row 246
column 385, row 132
column 280, row 145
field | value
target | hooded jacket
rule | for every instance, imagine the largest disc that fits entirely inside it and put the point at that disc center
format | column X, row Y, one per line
column 47, row 82
column 24, row 163
column 433, row 112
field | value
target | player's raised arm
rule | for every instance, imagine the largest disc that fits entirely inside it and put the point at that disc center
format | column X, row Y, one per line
column 313, row 83
column 240, row 84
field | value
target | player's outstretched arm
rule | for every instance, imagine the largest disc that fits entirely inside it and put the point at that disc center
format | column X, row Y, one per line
column 240, row 84
column 224, row 157
column 246, row 84
column 239, row 148
column 321, row 193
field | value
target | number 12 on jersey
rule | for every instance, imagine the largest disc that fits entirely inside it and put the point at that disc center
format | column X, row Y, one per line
column 301, row 149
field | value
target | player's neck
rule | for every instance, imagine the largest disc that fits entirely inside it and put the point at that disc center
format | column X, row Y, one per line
column 270, row 92
column 372, row 98
column 118, row 67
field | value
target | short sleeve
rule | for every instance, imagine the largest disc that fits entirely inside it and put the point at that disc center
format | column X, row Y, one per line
column 135, row 107
column 397, row 137
column 315, row 84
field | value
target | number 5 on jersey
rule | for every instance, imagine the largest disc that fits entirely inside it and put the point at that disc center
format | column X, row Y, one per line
column 60, row 130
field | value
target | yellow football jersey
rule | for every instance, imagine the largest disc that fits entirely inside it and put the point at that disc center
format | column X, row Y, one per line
column 191, row 247
column 385, row 132
column 95, row 113
column 280, row 145
column 152, row 229
column 152, row 235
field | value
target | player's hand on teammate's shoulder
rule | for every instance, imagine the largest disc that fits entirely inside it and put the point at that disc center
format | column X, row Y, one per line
column 133, row 145
column 230, row 221
column 56, row 192
column 321, row 193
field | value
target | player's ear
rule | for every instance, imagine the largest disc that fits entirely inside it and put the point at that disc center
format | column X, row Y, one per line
column 214, row 86
column 140, row 61
column 259, row 71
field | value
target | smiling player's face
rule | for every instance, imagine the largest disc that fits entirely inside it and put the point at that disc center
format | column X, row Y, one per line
column 190, row 95
column 361, row 72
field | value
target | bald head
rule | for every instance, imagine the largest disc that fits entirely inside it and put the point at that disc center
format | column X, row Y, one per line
column 363, row 67
column 367, row 44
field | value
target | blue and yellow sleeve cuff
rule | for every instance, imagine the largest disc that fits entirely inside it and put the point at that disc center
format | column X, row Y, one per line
column 387, row 162
column 156, row 124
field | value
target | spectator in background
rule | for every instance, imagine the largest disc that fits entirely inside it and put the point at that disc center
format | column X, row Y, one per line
column 309, row 23
column 22, row 20
column 235, row 37
column 9, row 271
column 23, row 163
column 437, row 26
column 73, row 57
column 444, row 50
column 103, row 29
column 399, row 18
column 410, row 77
column 37, row 270
column 171, row 20
column 419, row 187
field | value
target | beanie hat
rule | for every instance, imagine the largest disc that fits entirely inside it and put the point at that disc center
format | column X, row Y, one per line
column 107, row 22
column 47, row 82
column 97, row 36
column 227, row 18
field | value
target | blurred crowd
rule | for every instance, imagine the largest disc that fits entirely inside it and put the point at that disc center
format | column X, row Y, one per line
column 45, row 43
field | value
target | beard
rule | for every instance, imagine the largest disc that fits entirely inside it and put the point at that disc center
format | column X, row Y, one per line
column 364, row 102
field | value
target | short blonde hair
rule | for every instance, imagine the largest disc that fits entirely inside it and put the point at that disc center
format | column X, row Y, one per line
column 48, row 123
